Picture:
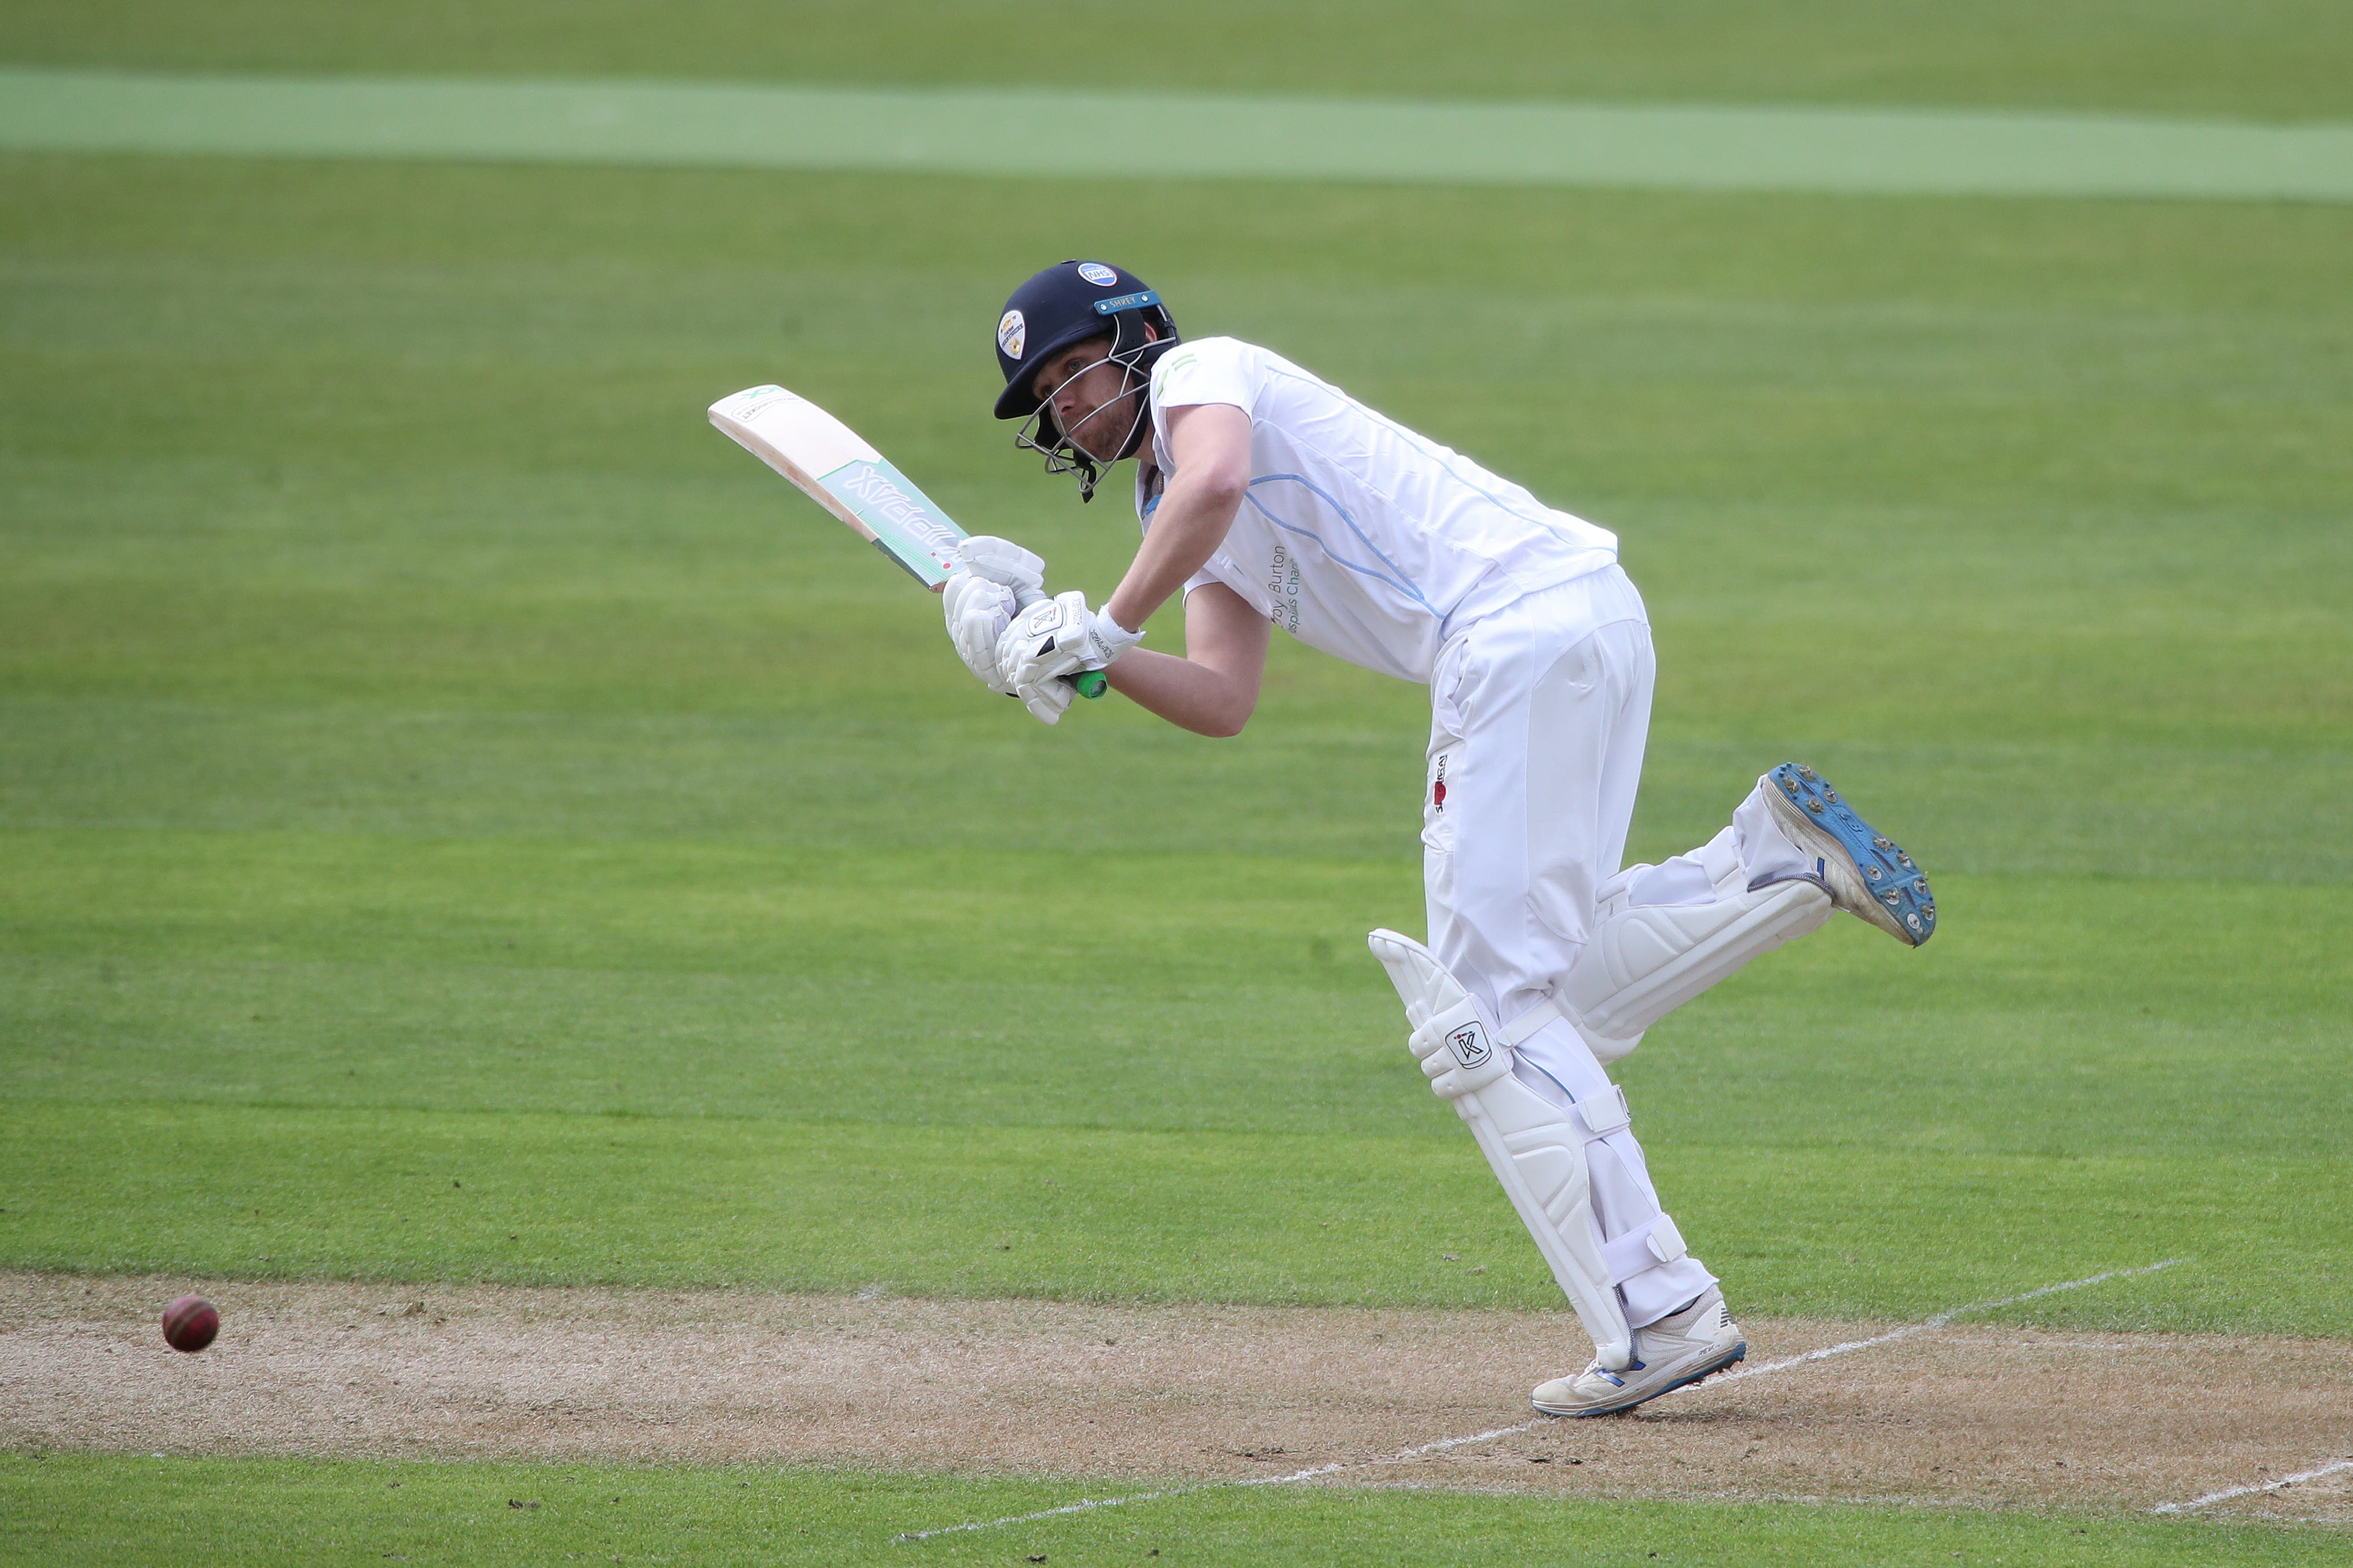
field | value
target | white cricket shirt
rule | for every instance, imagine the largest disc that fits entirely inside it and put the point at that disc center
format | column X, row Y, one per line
column 1358, row 536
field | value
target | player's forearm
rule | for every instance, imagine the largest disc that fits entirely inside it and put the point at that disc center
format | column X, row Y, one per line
column 1189, row 695
column 1192, row 520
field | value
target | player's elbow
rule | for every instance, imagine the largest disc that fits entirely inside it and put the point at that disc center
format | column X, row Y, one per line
column 1222, row 489
column 1214, row 489
column 1224, row 721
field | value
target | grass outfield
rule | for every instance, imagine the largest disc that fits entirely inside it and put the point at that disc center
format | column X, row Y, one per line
column 461, row 819
column 2267, row 59
column 432, row 755
column 134, row 1510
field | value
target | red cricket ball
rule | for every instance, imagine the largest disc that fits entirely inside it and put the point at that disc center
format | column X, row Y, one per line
column 190, row 1323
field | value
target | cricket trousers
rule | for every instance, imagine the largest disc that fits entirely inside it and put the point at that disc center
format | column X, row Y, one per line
column 1539, row 712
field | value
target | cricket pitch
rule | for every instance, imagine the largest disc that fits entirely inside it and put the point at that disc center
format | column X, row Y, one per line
column 1966, row 1415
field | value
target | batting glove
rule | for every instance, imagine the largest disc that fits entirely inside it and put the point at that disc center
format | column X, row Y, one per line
column 994, row 581
column 1056, row 638
column 1047, row 703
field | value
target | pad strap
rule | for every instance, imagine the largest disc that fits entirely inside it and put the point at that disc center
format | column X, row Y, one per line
column 1644, row 1248
column 1719, row 858
column 1605, row 1113
column 1532, row 1022
column 1529, row 1025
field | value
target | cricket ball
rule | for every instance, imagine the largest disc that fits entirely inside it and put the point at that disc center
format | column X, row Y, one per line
column 190, row 1323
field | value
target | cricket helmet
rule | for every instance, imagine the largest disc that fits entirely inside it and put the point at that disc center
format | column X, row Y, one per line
column 1069, row 303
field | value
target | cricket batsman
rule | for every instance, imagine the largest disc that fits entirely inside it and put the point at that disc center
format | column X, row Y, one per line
column 1271, row 498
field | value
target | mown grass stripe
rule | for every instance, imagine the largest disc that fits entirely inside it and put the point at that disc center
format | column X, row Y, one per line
column 994, row 132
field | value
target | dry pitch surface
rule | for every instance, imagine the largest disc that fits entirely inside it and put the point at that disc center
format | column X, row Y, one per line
column 1154, row 1395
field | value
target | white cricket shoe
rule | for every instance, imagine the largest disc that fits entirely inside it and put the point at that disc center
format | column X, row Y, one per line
column 1679, row 1349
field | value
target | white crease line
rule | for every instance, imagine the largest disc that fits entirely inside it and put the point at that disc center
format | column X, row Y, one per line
column 1084, row 1504
column 1081, row 1506
column 2229, row 1492
column 1087, row 1504
column 1458, row 1442
column 1940, row 1321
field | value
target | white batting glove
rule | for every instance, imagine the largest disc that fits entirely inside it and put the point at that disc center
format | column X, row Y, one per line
column 995, row 580
column 1054, row 639
column 978, row 612
column 1002, row 560
column 1047, row 703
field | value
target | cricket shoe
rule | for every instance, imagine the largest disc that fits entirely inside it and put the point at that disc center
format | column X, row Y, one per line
column 1866, row 873
column 1677, row 1351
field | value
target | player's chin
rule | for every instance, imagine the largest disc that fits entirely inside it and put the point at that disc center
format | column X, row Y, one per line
column 1100, row 433
column 1088, row 443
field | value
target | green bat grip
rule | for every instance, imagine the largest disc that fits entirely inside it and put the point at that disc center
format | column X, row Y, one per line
column 1092, row 683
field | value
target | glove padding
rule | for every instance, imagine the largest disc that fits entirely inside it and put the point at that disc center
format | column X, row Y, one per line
column 1053, row 640
column 1047, row 703
column 995, row 580
column 1002, row 560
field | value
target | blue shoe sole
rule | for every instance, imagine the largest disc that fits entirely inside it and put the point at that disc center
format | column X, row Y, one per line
column 1889, row 875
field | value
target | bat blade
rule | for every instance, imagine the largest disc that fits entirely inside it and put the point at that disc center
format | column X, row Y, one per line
column 839, row 471
column 846, row 476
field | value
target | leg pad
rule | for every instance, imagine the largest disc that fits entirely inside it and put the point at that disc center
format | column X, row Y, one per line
column 1536, row 1148
column 1645, row 961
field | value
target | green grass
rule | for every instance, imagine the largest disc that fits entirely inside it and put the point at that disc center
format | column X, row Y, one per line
column 2257, row 58
column 134, row 1510
column 432, row 753
column 676, row 1062
column 1127, row 1215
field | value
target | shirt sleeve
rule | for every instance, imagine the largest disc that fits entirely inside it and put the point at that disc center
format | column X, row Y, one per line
column 1215, row 370
column 1222, row 571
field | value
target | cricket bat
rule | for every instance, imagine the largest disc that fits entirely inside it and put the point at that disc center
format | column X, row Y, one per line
column 849, row 479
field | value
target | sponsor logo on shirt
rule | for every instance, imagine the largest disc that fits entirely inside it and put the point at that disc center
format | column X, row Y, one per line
column 1170, row 366
column 1283, row 588
column 1438, row 787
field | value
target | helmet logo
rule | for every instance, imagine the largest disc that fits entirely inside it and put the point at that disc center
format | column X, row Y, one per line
column 1096, row 273
column 1012, row 333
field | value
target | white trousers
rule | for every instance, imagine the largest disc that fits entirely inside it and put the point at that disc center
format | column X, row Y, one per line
column 1539, row 715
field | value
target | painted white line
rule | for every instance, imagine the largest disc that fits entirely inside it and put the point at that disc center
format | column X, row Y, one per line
column 1086, row 1505
column 1081, row 1506
column 1940, row 1321
column 2229, row 1492
column 1458, row 1442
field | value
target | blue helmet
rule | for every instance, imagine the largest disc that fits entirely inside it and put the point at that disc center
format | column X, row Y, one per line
column 1069, row 303
column 1065, row 304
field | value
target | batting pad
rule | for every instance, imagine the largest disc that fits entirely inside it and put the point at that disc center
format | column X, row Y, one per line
column 1536, row 1148
column 1643, row 963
